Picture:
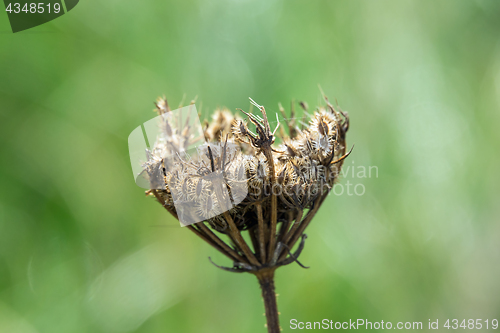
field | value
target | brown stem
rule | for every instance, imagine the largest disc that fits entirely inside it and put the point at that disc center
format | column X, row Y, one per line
column 220, row 243
column 163, row 203
column 252, row 232
column 305, row 222
column 291, row 232
column 209, row 241
column 262, row 245
column 235, row 235
column 284, row 226
column 274, row 204
column 266, row 281
column 204, row 233
column 295, row 224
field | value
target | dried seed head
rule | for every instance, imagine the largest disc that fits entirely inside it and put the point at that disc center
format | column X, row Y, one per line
column 229, row 174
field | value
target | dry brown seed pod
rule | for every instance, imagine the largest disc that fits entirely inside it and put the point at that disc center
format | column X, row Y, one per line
column 304, row 169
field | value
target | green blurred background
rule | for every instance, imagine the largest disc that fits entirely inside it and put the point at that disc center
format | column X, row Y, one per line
column 83, row 250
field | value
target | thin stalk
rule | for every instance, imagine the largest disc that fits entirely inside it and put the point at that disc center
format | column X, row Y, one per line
column 262, row 244
column 284, row 227
column 291, row 232
column 234, row 233
column 252, row 232
column 306, row 221
column 266, row 281
column 220, row 243
column 163, row 203
column 274, row 203
column 239, row 241
column 209, row 241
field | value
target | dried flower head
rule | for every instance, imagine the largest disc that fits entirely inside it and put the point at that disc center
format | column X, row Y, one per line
column 240, row 181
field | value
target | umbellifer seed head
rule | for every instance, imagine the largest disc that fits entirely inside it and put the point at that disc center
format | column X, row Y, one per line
column 241, row 167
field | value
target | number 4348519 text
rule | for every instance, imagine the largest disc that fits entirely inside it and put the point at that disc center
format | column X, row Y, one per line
column 33, row 8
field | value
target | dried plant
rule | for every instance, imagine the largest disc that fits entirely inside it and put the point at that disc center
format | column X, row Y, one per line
column 240, row 182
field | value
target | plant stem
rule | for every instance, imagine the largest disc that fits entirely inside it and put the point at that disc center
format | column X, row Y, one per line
column 262, row 242
column 274, row 203
column 266, row 281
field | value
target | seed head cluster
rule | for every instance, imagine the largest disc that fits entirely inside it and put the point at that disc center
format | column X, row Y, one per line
column 246, row 174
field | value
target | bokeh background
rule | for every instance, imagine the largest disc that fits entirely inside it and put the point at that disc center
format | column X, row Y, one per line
column 83, row 250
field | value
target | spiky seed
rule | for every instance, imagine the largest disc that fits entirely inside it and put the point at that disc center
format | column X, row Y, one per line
column 291, row 151
column 322, row 127
column 243, row 128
